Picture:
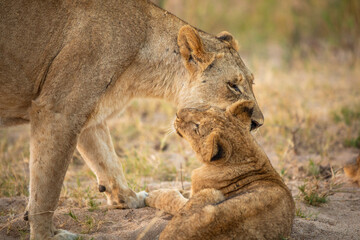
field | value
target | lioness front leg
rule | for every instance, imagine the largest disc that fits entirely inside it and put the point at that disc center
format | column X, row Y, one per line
column 97, row 149
column 53, row 140
column 168, row 200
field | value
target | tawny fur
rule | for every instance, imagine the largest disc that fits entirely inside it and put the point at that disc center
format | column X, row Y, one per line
column 352, row 170
column 236, row 194
column 68, row 66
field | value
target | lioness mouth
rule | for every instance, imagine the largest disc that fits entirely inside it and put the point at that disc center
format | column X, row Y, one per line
column 177, row 120
column 179, row 133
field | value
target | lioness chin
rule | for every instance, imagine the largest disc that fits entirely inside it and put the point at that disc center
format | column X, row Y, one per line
column 236, row 194
column 68, row 66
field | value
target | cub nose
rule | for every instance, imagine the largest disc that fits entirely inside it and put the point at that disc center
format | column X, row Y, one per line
column 255, row 125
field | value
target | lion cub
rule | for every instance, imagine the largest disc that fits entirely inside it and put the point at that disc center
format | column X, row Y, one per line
column 236, row 194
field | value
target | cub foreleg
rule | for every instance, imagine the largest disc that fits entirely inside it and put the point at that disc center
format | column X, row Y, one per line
column 168, row 200
column 202, row 198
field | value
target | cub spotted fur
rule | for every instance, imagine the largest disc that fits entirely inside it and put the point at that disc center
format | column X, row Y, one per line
column 236, row 193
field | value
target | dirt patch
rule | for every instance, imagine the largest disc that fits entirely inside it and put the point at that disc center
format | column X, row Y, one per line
column 102, row 223
column 339, row 218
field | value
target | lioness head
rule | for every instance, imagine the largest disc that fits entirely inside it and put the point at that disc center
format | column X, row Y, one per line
column 215, row 134
column 218, row 76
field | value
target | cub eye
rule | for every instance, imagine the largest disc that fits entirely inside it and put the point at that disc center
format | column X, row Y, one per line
column 234, row 87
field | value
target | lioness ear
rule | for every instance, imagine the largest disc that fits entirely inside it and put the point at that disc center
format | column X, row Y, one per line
column 228, row 38
column 192, row 50
column 242, row 110
column 215, row 148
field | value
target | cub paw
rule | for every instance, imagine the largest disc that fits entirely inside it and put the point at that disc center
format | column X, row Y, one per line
column 204, row 197
column 161, row 197
column 153, row 197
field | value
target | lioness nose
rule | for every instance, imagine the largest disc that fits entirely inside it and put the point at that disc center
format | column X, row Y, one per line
column 255, row 125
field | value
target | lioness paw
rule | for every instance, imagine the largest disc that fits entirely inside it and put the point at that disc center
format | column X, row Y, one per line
column 64, row 235
column 124, row 200
column 141, row 196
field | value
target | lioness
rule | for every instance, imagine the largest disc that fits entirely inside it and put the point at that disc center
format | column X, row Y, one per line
column 236, row 194
column 68, row 66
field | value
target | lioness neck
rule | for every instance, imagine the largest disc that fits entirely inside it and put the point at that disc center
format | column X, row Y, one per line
column 158, row 70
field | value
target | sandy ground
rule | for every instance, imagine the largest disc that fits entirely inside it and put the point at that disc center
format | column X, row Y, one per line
column 339, row 218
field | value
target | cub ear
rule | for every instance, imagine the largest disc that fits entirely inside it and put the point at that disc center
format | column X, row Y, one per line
column 192, row 50
column 215, row 148
column 242, row 110
column 228, row 38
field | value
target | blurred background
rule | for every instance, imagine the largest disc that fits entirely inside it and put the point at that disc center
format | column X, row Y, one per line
column 281, row 30
column 305, row 58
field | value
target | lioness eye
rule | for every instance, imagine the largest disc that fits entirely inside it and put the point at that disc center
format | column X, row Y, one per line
column 234, row 87
column 196, row 128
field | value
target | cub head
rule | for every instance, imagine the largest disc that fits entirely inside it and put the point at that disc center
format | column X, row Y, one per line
column 214, row 134
column 217, row 75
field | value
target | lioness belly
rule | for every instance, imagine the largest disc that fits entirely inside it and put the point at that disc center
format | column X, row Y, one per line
column 29, row 30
